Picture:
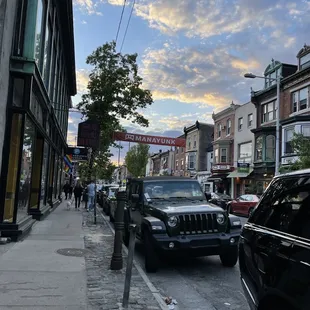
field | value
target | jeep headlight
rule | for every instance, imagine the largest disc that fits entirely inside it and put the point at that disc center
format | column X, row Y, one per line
column 220, row 218
column 172, row 221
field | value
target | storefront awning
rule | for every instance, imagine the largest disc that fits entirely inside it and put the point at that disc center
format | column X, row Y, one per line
column 237, row 174
column 217, row 177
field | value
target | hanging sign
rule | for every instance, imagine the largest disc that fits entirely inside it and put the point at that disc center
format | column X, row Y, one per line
column 78, row 153
column 88, row 134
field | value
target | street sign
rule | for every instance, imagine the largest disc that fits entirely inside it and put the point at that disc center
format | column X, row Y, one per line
column 77, row 153
column 88, row 134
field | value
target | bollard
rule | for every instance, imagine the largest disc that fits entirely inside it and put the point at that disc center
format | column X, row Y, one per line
column 117, row 257
column 131, row 252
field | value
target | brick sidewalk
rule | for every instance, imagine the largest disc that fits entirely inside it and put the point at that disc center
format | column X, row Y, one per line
column 104, row 286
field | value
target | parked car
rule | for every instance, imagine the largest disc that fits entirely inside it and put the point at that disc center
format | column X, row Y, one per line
column 243, row 205
column 274, row 248
column 220, row 200
column 174, row 218
column 109, row 198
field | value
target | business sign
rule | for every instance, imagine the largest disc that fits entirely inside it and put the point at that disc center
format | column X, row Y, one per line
column 88, row 134
column 78, row 153
column 243, row 167
column 145, row 139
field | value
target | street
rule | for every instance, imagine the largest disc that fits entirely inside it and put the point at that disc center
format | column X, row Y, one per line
column 200, row 284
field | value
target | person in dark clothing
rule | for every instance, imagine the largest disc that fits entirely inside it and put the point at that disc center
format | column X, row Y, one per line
column 70, row 191
column 66, row 189
column 78, row 192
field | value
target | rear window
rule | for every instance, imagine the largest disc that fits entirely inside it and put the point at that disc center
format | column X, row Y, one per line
column 285, row 206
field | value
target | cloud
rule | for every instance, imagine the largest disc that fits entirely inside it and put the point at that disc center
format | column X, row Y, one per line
column 199, row 74
column 87, row 6
column 82, row 78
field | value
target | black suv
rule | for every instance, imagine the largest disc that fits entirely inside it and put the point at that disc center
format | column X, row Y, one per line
column 173, row 217
column 274, row 248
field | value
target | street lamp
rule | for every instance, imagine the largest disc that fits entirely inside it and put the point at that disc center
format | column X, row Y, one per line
column 278, row 81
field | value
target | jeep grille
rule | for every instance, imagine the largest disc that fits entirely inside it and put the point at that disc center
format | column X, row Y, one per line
column 198, row 224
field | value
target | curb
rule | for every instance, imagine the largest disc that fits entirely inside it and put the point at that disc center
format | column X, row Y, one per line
column 155, row 292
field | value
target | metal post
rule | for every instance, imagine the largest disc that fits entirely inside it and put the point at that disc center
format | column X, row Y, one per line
column 131, row 251
column 95, row 199
column 277, row 128
column 117, row 257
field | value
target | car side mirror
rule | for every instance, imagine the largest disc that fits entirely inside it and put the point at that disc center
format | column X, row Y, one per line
column 135, row 197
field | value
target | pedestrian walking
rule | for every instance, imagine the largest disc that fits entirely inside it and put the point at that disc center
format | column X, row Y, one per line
column 70, row 191
column 66, row 189
column 91, row 195
column 78, row 192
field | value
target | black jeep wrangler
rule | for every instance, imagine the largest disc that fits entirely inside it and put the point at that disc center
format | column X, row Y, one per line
column 173, row 217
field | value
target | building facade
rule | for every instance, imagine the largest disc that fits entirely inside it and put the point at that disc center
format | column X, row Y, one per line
column 265, row 131
column 295, row 114
column 245, row 121
column 198, row 138
column 41, row 81
column 223, row 147
column 179, row 163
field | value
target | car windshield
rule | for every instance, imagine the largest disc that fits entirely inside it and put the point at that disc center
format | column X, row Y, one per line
column 173, row 189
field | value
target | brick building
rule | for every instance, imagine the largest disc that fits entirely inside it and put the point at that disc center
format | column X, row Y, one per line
column 179, row 156
column 223, row 147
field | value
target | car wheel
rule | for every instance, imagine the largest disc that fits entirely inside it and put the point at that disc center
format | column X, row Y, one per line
column 250, row 211
column 230, row 257
column 151, row 258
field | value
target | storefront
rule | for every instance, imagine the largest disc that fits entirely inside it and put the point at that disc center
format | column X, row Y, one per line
column 42, row 81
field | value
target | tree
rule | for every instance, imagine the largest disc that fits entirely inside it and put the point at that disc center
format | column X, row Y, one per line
column 114, row 92
column 301, row 146
column 136, row 159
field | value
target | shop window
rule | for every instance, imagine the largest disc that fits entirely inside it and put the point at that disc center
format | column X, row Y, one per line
column 270, row 147
column 26, row 170
column 44, row 188
column 55, row 177
column 18, row 92
column 11, row 188
column 259, row 149
column 38, row 33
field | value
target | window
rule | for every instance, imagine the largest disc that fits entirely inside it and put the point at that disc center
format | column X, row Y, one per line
column 191, row 161
column 305, row 130
column 219, row 130
column 285, row 207
column 300, row 100
column 240, row 123
column 182, row 164
column 245, row 150
column 38, row 33
column 223, row 155
column 268, row 112
column 195, row 142
column 47, row 54
column 228, row 127
column 305, row 61
column 288, row 136
column 176, row 165
column 211, row 155
column 189, row 143
column 270, row 147
column 259, row 149
column 18, row 92
column 250, row 120
column 216, row 156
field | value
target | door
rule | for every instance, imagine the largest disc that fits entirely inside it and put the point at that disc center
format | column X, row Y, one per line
column 239, row 204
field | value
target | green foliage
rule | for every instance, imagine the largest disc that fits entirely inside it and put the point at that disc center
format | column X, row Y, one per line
column 301, row 147
column 114, row 92
column 136, row 159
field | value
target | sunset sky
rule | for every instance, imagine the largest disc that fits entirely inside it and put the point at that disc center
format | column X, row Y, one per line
column 192, row 53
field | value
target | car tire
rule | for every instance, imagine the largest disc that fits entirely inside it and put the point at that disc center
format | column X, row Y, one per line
column 230, row 257
column 151, row 257
column 250, row 212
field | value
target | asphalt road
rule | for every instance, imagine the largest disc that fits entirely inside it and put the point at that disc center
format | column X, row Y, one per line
column 200, row 283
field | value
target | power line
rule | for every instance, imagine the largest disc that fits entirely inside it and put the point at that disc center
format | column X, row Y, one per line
column 134, row 1
column 120, row 21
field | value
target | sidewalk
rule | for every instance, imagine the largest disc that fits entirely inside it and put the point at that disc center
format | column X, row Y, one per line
column 34, row 276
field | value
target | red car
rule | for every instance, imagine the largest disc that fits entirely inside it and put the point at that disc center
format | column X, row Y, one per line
column 243, row 205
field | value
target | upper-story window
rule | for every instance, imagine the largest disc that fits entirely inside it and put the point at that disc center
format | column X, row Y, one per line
column 223, row 155
column 38, row 34
column 240, row 123
column 250, row 120
column 176, row 150
column 300, row 99
column 270, row 147
column 288, row 136
column 268, row 112
column 216, row 156
column 228, row 127
column 305, row 61
column 189, row 143
column 182, row 150
column 195, row 142
column 219, row 130
column 245, row 150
